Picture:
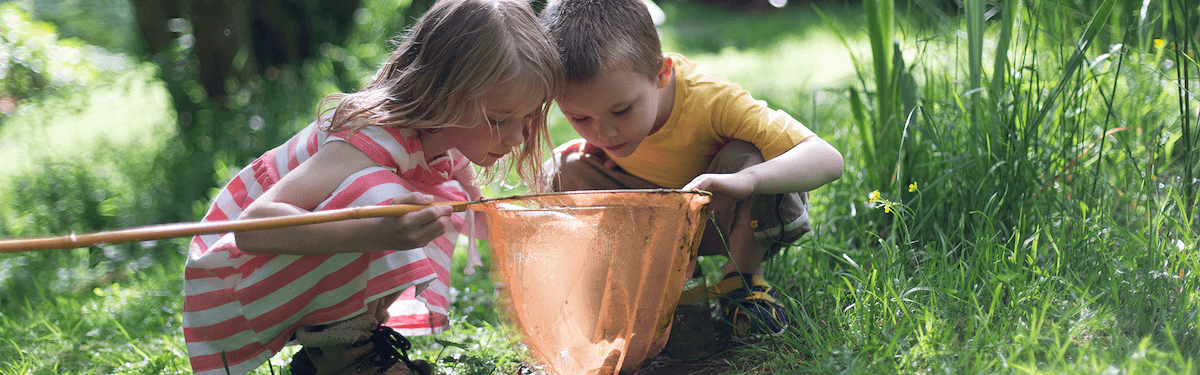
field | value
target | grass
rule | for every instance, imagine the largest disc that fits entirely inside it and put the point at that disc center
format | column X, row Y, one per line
column 1037, row 175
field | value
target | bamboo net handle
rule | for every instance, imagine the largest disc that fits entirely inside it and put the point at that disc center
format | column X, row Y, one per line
column 158, row 232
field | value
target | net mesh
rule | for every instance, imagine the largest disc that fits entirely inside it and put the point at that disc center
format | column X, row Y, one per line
column 592, row 277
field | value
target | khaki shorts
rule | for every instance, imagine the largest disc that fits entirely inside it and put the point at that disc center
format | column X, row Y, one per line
column 778, row 220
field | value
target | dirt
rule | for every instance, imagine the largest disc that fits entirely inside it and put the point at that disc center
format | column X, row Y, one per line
column 705, row 367
column 714, row 365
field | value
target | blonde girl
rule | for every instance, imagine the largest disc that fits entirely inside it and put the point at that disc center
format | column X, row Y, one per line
column 471, row 82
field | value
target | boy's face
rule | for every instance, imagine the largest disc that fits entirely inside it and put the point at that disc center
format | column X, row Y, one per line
column 615, row 111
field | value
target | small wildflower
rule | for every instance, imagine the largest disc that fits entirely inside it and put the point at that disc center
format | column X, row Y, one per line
column 1159, row 43
column 912, row 187
column 874, row 196
column 887, row 209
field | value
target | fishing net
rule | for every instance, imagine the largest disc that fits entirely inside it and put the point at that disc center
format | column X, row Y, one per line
column 592, row 277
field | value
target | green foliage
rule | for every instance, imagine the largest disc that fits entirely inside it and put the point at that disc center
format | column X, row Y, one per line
column 108, row 24
column 1033, row 162
column 34, row 61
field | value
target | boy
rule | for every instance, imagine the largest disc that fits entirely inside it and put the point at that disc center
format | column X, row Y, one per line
column 651, row 120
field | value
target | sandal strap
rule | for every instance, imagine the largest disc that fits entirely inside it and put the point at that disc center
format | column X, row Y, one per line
column 733, row 282
column 387, row 341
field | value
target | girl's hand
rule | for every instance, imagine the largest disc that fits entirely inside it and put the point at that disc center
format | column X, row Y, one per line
column 415, row 229
column 727, row 188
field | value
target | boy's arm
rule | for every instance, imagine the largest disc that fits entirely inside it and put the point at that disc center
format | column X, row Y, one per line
column 301, row 190
column 806, row 166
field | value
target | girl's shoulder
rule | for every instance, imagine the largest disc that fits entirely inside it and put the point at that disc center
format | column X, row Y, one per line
column 389, row 146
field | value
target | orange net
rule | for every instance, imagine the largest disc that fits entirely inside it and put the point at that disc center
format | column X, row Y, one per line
column 592, row 277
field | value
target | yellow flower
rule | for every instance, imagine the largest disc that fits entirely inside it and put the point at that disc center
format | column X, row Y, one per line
column 874, row 196
column 1159, row 43
column 887, row 209
column 912, row 187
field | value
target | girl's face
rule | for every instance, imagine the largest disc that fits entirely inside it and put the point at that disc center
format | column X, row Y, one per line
column 505, row 121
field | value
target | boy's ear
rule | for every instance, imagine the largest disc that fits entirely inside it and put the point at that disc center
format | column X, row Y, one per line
column 664, row 75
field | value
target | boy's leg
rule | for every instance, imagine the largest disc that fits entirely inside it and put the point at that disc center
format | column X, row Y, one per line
column 571, row 171
column 749, row 232
column 755, row 228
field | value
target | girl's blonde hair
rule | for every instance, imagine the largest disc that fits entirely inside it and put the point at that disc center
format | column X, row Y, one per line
column 455, row 54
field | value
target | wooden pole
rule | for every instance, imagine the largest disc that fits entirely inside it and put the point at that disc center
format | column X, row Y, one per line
column 158, row 232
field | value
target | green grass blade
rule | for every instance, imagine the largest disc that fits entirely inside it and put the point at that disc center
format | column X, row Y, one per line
column 1003, row 43
column 974, row 18
column 1099, row 19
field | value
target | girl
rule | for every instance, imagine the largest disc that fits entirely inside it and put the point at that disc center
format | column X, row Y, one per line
column 471, row 82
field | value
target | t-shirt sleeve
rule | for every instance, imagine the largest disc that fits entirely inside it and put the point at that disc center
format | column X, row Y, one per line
column 385, row 146
column 773, row 131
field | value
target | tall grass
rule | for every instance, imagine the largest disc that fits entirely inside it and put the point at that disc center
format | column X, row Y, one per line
column 1043, row 230
column 1035, row 162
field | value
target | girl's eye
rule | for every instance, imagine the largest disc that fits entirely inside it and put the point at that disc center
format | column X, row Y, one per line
column 494, row 122
column 577, row 119
column 623, row 111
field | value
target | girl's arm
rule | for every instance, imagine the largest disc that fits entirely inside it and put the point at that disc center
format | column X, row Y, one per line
column 466, row 177
column 806, row 166
column 301, row 190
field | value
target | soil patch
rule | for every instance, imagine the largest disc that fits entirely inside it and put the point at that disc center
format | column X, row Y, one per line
column 665, row 365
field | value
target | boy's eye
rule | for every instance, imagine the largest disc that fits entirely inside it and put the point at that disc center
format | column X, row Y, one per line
column 623, row 111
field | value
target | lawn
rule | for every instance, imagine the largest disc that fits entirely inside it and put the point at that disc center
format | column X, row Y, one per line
column 1018, row 197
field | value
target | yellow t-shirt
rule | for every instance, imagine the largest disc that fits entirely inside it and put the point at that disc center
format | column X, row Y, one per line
column 708, row 112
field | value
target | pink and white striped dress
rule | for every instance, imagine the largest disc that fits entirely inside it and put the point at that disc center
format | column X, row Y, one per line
column 248, row 305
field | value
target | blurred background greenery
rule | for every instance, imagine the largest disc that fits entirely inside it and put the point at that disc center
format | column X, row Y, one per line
column 1036, row 160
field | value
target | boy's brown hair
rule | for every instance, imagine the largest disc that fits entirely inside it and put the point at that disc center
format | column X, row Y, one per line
column 596, row 35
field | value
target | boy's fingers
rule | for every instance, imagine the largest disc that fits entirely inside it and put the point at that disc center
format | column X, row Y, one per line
column 591, row 149
column 570, row 146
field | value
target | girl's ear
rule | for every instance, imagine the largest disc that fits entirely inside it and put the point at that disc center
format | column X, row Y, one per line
column 664, row 76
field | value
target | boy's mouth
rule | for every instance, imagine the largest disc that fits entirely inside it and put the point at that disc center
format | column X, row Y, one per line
column 613, row 147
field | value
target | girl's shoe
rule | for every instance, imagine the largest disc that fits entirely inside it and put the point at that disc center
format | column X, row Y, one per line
column 752, row 310
column 359, row 345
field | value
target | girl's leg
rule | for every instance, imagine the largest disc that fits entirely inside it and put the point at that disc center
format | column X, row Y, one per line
column 359, row 345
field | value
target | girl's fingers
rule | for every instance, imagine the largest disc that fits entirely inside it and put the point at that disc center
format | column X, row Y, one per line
column 429, row 231
column 425, row 216
column 413, row 198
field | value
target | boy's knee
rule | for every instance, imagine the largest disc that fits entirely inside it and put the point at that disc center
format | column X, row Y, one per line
column 735, row 156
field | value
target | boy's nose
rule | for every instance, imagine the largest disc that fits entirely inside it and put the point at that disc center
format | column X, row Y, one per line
column 607, row 130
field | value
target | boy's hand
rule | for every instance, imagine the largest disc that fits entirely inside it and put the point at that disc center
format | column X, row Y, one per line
column 727, row 188
column 588, row 150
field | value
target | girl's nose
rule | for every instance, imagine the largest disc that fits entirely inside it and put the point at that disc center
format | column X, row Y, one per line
column 515, row 135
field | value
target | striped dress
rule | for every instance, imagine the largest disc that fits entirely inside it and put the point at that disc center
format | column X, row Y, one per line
column 248, row 305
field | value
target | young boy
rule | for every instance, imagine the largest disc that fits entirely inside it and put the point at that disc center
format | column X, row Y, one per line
column 651, row 120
